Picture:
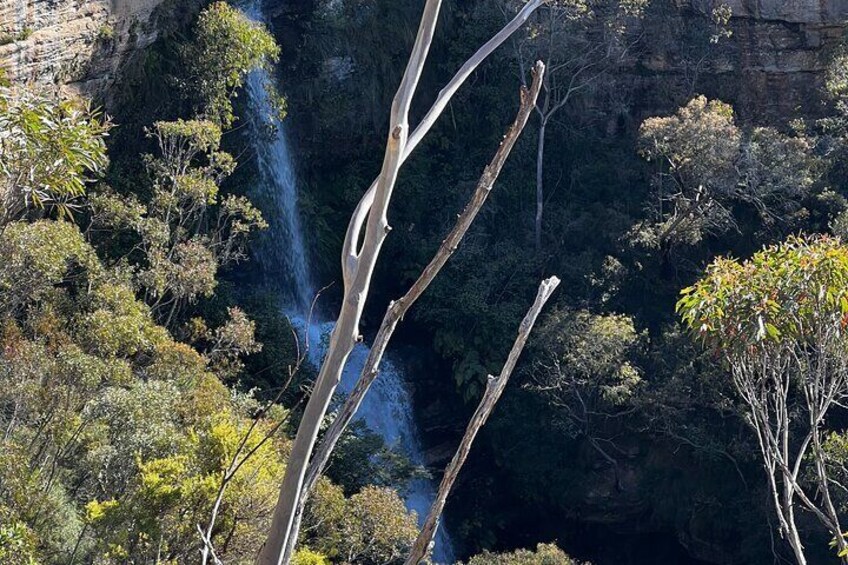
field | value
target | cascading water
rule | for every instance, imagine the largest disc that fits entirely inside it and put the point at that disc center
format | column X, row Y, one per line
column 386, row 409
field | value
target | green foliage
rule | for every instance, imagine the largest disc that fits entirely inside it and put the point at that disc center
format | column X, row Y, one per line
column 784, row 293
column 585, row 363
column 361, row 458
column 118, row 439
column 173, row 489
column 593, row 348
column 35, row 258
column 372, row 527
column 306, row 556
column 708, row 165
column 545, row 554
column 835, row 450
column 17, row 543
column 226, row 47
column 778, row 320
column 108, row 402
column 225, row 346
column 186, row 231
column 836, row 84
column 50, row 150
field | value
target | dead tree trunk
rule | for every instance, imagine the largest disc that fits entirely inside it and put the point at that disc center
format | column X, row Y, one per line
column 358, row 263
column 357, row 267
column 398, row 308
column 494, row 389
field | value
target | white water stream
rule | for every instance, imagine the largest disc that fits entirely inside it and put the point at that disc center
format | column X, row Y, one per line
column 387, row 408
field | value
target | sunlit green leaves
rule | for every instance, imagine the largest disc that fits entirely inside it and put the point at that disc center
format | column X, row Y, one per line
column 708, row 165
column 227, row 46
column 784, row 292
column 372, row 527
column 51, row 149
column 545, row 554
column 36, row 257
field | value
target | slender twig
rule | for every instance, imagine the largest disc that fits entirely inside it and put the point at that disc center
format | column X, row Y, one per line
column 493, row 392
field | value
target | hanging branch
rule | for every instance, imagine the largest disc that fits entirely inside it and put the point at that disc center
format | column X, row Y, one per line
column 494, row 388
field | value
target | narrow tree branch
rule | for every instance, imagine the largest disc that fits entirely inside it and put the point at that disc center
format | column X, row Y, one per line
column 398, row 308
column 494, row 390
column 360, row 214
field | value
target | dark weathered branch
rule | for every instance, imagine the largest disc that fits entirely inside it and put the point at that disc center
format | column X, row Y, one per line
column 494, row 390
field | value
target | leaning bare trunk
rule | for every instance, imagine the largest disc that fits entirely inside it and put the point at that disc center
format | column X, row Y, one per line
column 794, row 538
column 357, row 267
column 398, row 308
column 540, row 193
column 494, row 389
column 358, row 264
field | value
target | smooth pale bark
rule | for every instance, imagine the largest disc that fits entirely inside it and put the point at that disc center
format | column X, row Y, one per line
column 442, row 101
column 358, row 264
column 398, row 308
column 546, row 112
column 494, row 390
column 357, row 267
column 765, row 387
column 540, row 192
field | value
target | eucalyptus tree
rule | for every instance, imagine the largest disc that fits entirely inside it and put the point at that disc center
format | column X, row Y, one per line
column 51, row 149
column 707, row 165
column 585, row 366
column 398, row 308
column 778, row 321
column 495, row 386
column 580, row 42
column 226, row 46
column 187, row 230
column 364, row 238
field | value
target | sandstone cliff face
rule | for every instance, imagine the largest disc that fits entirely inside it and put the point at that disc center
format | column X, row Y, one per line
column 770, row 67
column 782, row 47
column 793, row 11
column 76, row 43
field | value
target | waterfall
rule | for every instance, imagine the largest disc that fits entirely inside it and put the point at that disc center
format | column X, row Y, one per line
column 387, row 408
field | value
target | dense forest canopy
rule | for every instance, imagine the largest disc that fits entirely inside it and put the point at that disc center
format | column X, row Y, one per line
column 681, row 397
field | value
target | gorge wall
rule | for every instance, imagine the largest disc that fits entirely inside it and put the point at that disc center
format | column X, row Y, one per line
column 772, row 61
column 79, row 44
column 771, row 65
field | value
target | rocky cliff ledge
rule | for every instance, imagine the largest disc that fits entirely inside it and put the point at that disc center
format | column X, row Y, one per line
column 76, row 43
column 771, row 66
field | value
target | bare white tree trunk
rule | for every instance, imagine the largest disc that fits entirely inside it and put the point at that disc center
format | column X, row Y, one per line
column 398, row 308
column 357, row 268
column 358, row 263
column 540, row 192
column 494, row 389
column 765, row 385
column 445, row 96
